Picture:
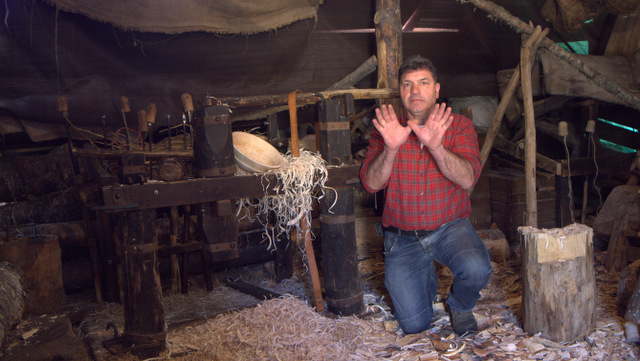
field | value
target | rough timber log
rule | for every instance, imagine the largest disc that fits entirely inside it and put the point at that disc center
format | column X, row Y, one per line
column 26, row 177
column 559, row 290
column 342, row 284
column 389, row 45
column 62, row 206
column 531, row 217
column 144, row 325
column 12, row 297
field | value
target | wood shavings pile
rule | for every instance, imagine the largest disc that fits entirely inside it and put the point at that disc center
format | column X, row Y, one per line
column 300, row 182
column 288, row 329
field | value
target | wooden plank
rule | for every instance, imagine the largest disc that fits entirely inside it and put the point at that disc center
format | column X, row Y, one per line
column 607, row 164
column 514, row 150
column 562, row 79
column 505, row 197
column 625, row 36
column 201, row 190
column 519, row 208
column 518, row 219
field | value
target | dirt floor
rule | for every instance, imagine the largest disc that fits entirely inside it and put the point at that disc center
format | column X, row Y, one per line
column 227, row 325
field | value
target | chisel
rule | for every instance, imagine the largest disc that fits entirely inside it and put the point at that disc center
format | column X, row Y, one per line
column 125, row 108
column 187, row 104
column 151, row 119
column 143, row 128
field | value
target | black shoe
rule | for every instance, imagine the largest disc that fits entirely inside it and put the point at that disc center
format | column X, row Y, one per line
column 463, row 322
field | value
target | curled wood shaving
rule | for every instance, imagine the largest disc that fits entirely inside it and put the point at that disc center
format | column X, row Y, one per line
column 300, row 182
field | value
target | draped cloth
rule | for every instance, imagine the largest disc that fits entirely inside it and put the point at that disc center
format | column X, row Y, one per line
column 179, row 16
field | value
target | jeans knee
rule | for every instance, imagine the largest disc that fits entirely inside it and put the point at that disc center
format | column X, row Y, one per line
column 417, row 323
column 476, row 273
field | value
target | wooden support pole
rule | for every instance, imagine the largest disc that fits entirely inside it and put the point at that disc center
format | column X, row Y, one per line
column 389, row 45
column 173, row 239
column 144, row 324
column 341, row 278
column 531, row 216
column 305, row 227
column 559, row 289
column 494, row 126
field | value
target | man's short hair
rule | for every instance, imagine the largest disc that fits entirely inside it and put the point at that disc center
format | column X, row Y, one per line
column 417, row 62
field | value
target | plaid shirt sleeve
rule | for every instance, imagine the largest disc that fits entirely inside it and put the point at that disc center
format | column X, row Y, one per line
column 418, row 196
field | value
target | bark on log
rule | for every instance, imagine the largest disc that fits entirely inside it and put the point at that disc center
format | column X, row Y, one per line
column 63, row 206
column 12, row 297
column 366, row 68
column 26, row 177
column 144, row 323
column 389, row 45
column 559, row 290
column 531, row 216
column 592, row 74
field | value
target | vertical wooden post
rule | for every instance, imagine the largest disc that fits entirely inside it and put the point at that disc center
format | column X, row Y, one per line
column 341, row 278
column 175, row 267
column 559, row 289
column 144, row 325
column 389, row 45
column 530, row 130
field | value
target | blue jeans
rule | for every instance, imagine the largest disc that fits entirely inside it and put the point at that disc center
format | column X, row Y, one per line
column 411, row 279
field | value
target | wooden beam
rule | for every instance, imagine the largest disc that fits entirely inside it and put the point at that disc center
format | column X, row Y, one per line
column 517, row 151
column 592, row 74
column 389, row 45
column 531, row 216
column 201, row 190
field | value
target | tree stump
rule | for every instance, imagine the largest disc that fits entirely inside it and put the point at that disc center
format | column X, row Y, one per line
column 40, row 260
column 559, row 289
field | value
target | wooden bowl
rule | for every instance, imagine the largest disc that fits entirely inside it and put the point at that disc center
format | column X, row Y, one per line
column 255, row 154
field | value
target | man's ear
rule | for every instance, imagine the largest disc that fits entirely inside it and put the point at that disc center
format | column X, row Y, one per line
column 437, row 90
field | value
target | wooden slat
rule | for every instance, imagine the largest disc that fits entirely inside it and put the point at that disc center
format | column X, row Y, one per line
column 202, row 190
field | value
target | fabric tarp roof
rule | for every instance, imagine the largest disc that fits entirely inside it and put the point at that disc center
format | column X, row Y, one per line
column 173, row 17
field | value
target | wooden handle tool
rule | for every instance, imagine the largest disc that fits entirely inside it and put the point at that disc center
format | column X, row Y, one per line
column 151, row 120
column 125, row 108
column 143, row 127
column 304, row 224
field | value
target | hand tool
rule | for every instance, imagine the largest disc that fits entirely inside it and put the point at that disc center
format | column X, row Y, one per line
column 143, row 128
column 304, row 222
column 184, row 131
column 104, row 129
column 169, row 130
column 187, row 104
column 63, row 108
column 151, row 119
column 125, row 108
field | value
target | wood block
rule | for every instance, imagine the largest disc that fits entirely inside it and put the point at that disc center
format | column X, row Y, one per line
column 559, row 290
column 40, row 260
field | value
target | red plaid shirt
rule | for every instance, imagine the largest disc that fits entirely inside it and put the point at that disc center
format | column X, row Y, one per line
column 418, row 196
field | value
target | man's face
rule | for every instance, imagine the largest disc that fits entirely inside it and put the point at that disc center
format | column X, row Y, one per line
column 419, row 92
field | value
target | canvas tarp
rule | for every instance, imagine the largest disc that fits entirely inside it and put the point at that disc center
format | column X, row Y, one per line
column 173, row 17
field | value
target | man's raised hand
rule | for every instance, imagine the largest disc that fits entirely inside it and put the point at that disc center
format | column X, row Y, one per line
column 386, row 122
